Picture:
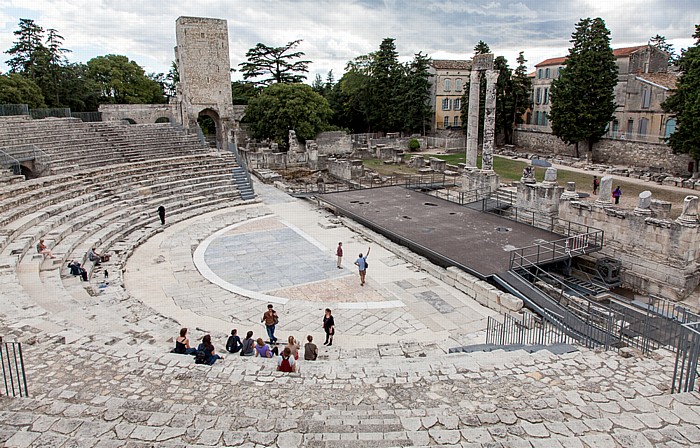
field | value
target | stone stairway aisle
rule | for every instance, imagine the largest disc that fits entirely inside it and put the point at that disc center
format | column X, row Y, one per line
column 96, row 396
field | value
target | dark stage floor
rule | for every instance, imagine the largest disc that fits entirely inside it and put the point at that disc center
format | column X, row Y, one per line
column 468, row 237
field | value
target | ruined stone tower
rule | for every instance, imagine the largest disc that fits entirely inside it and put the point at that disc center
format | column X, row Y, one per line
column 203, row 63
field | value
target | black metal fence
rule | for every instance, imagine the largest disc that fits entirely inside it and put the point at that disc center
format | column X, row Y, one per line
column 13, row 374
column 525, row 329
column 686, row 368
column 416, row 182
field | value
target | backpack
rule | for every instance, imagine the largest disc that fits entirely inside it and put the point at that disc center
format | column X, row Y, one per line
column 200, row 357
column 285, row 366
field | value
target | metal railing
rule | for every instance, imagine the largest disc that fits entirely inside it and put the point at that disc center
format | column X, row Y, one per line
column 58, row 112
column 13, row 109
column 548, row 251
column 413, row 182
column 686, row 367
column 23, row 153
column 240, row 160
column 6, row 160
column 462, row 197
column 526, row 329
column 13, row 373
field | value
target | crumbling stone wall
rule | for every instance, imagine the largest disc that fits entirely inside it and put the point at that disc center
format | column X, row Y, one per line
column 659, row 256
column 614, row 152
column 346, row 169
column 334, row 143
column 140, row 113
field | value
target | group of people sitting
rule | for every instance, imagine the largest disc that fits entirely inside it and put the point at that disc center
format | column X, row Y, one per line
column 205, row 353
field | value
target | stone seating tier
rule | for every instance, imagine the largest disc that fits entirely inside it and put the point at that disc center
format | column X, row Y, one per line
column 116, row 397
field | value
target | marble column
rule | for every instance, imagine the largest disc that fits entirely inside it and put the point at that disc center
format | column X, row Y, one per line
column 605, row 193
column 689, row 217
column 644, row 207
column 550, row 176
column 473, row 120
column 569, row 193
column 489, row 120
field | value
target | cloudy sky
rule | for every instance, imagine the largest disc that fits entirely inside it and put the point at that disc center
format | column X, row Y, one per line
column 335, row 32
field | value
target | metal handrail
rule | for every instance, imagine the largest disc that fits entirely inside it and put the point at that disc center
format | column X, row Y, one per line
column 548, row 251
column 13, row 373
column 25, row 152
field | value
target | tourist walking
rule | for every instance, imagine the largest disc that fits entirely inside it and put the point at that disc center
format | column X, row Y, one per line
column 161, row 214
column 233, row 345
column 361, row 264
column 310, row 349
column 339, row 254
column 271, row 320
column 328, row 327
column 596, row 184
column 616, row 194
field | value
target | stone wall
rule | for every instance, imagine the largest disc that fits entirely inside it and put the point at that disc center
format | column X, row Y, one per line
column 273, row 160
column 140, row 113
column 346, row 169
column 608, row 151
column 334, row 143
column 658, row 256
column 541, row 198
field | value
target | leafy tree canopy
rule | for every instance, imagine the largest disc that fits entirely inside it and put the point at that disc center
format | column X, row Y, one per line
column 684, row 103
column 281, row 107
column 16, row 89
column 123, row 81
column 275, row 64
column 582, row 98
column 481, row 48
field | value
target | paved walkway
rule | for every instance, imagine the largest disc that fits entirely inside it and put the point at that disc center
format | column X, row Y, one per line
column 283, row 252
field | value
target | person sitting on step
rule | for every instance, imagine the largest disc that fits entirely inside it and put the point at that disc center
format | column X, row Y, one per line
column 263, row 350
column 182, row 344
column 286, row 362
column 208, row 348
column 43, row 250
column 248, row 345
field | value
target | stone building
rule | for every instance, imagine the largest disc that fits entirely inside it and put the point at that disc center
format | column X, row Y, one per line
column 643, row 84
column 447, row 87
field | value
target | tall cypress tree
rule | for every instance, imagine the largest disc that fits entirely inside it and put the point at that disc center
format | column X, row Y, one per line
column 583, row 99
column 684, row 103
column 28, row 50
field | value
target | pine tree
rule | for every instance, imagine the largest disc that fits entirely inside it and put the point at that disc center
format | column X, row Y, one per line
column 582, row 98
column 276, row 63
column 481, row 48
column 385, row 75
column 54, row 62
column 28, row 51
column 684, row 103
column 415, row 95
column 659, row 42
column 522, row 85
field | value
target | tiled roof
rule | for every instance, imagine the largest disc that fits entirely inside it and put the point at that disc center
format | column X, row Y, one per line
column 667, row 80
column 618, row 52
column 450, row 64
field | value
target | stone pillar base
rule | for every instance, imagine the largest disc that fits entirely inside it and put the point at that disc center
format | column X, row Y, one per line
column 642, row 211
column 471, row 180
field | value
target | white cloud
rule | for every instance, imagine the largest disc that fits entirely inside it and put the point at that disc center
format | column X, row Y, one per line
column 335, row 32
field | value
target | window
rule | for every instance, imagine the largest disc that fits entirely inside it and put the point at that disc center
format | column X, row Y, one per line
column 456, row 120
column 528, row 118
column 545, row 100
column 539, row 74
column 446, row 122
column 546, row 73
column 458, row 84
column 447, row 84
column 670, row 127
column 537, row 118
column 630, row 127
column 646, row 97
column 545, row 120
column 643, row 126
column 457, row 104
column 615, row 127
column 558, row 72
column 446, row 104
column 538, row 96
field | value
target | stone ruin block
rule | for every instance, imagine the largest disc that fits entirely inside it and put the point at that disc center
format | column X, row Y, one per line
column 437, row 165
column 416, row 162
column 660, row 209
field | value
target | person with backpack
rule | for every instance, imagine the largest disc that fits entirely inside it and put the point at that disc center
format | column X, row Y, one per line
column 362, row 265
column 233, row 345
column 206, row 353
column 286, row 362
column 248, row 345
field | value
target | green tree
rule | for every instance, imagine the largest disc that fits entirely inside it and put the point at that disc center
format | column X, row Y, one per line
column 28, row 50
column 123, row 81
column 276, row 64
column 16, row 89
column 684, row 103
column 522, row 85
column 78, row 91
column 582, row 98
column 414, row 95
column 659, row 42
column 384, row 84
column 52, row 73
column 318, row 86
column 481, row 48
column 281, row 107
column 242, row 92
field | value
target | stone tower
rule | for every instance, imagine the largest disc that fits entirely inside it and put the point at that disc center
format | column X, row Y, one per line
column 203, row 63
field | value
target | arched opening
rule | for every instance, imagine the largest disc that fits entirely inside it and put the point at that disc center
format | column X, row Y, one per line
column 163, row 120
column 128, row 121
column 27, row 172
column 208, row 120
column 670, row 127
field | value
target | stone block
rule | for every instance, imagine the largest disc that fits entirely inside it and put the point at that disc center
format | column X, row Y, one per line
column 510, row 302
